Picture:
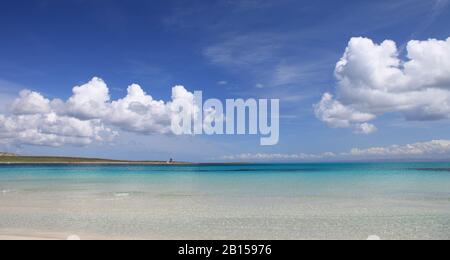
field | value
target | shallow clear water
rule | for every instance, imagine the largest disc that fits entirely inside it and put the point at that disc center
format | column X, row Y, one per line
column 276, row 201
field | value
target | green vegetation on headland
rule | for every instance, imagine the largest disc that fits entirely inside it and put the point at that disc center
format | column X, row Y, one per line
column 73, row 160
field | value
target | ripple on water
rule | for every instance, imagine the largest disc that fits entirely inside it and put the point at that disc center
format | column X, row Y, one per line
column 7, row 191
column 119, row 195
column 122, row 195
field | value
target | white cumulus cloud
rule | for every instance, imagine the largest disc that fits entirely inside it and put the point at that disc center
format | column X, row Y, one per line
column 372, row 80
column 31, row 103
column 89, row 100
column 89, row 115
column 50, row 130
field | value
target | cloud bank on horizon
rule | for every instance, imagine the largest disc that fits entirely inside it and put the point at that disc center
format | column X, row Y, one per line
column 423, row 149
column 373, row 80
column 88, row 116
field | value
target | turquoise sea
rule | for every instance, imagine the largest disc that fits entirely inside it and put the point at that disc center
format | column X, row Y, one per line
column 261, row 201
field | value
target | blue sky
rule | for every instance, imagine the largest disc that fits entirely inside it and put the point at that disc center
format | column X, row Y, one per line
column 284, row 49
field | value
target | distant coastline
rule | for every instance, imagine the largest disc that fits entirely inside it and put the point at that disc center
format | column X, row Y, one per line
column 13, row 159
